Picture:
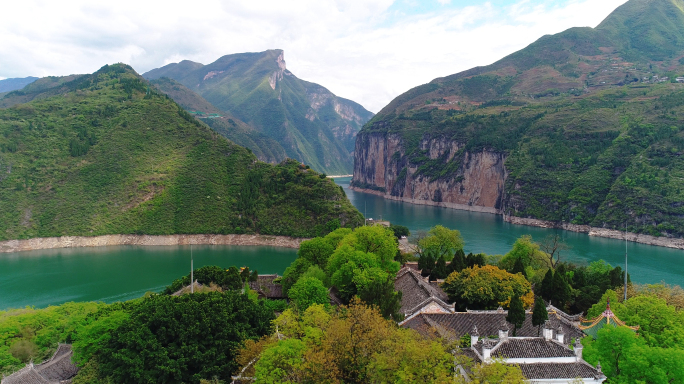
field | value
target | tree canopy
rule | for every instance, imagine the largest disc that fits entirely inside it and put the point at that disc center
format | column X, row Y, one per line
column 352, row 345
column 486, row 287
column 182, row 339
column 441, row 242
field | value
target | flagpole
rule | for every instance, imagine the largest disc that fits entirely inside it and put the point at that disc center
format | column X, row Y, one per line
column 192, row 270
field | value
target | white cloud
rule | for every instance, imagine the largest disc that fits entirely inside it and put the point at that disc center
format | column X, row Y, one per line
column 358, row 49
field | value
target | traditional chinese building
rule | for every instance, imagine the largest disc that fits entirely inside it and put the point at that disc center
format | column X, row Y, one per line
column 591, row 327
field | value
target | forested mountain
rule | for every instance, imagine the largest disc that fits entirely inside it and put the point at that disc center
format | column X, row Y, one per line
column 583, row 127
column 107, row 154
column 305, row 120
column 265, row 148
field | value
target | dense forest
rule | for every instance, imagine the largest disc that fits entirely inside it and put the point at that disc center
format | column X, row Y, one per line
column 107, row 154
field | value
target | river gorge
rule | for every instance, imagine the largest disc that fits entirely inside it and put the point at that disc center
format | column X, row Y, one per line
column 115, row 272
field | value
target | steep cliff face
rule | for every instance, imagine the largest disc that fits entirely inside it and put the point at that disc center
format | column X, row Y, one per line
column 381, row 165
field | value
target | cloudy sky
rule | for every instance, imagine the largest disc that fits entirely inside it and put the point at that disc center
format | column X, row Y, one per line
column 369, row 51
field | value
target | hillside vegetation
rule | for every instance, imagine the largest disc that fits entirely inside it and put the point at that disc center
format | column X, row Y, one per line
column 589, row 137
column 111, row 155
column 265, row 148
column 307, row 121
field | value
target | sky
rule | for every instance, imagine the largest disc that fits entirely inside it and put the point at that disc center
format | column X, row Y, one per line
column 369, row 51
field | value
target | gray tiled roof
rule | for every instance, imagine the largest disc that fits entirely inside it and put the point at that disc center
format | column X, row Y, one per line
column 560, row 371
column 522, row 348
column 488, row 324
column 27, row 375
column 266, row 287
column 59, row 369
column 415, row 290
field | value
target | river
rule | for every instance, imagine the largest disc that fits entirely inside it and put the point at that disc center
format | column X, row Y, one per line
column 118, row 273
column 48, row 277
column 488, row 233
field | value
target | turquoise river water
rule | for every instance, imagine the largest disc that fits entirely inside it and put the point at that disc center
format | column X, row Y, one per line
column 47, row 277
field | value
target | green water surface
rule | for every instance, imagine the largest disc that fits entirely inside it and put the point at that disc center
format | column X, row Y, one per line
column 48, row 277
column 488, row 233
column 117, row 273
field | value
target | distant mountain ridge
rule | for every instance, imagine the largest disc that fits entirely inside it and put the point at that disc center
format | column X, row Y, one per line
column 265, row 148
column 580, row 129
column 12, row 84
column 640, row 38
column 310, row 123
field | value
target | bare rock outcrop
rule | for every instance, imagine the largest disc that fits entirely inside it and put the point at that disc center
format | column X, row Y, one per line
column 106, row 240
column 382, row 166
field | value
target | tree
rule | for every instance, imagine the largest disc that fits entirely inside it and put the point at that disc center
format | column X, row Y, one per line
column 552, row 246
column 352, row 345
column 458, row 263
column 546, row 288
column 473, row 260
column 560, row 289
column 516, row 313
column 381, row 293
column 525, row 250
column 400, row 230
column 441, row 242
column 245, row 274
column 183, row 338
column 518, row 267
column 494, row 372
column 486, row 287
column 440, row 271
column 293, row 273
column 308, row 291
column 229, row 279
column 625, row 357
column 349, row 268
column 426, row 263
column 539, row 314
column 316, row 272
column 376, row 239
column 316, row 251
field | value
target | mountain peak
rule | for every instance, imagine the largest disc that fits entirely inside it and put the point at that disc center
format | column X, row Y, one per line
column 647, row 29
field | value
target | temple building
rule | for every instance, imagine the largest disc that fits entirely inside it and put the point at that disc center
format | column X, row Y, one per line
column 549, row 353
column 546, row 359
column 591, row 327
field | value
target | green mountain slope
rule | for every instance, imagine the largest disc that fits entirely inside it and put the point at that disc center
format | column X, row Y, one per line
column 41, row 88
column 111, row 155
column 308, row 121
column 589, row 124
column 265, row 148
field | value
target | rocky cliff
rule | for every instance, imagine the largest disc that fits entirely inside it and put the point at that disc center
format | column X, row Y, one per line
column 381, row 164
column 584, row 129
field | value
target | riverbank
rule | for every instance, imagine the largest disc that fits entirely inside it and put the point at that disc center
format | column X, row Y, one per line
column 676, row 243
column 146, row 240
column 462, row 207
column 338, row 176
